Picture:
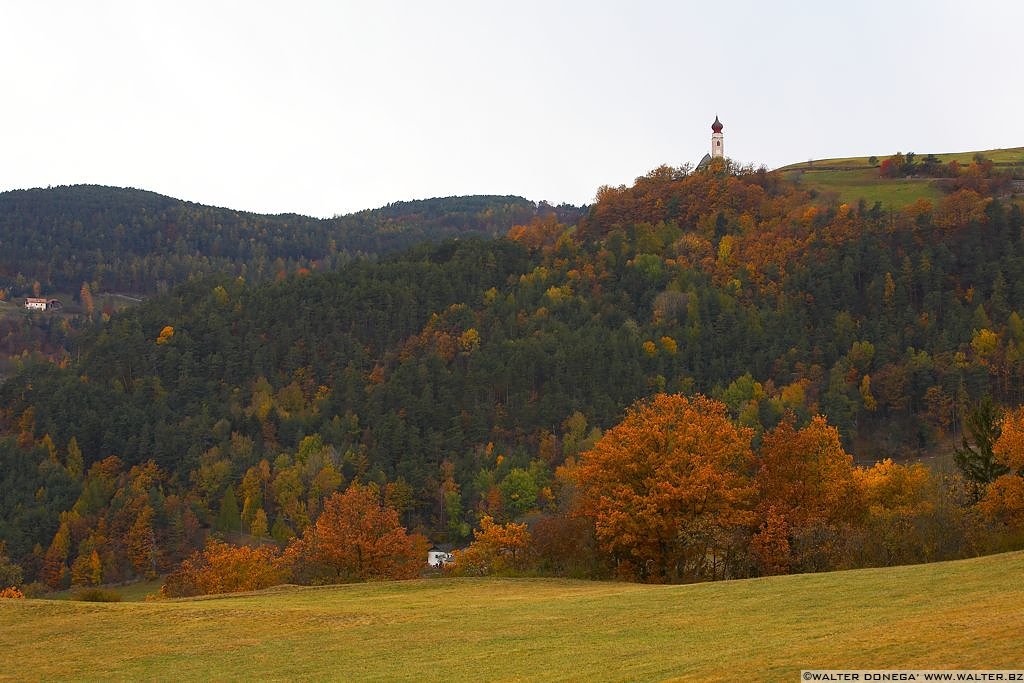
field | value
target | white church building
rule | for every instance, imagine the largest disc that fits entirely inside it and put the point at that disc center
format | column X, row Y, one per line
column 717, row 145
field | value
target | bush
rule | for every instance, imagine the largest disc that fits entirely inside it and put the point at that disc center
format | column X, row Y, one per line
column 224, row 568
column 35, row 589
column 96, row 595
column 497, row 549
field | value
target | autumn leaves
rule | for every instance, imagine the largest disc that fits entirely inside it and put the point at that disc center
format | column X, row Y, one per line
column 667, row 485
column 676, row 492
column 357, row 537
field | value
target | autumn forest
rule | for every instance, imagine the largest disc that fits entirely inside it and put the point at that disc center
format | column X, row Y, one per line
column 708, row 374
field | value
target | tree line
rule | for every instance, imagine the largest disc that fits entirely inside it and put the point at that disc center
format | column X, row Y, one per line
column 126, row 240
column 463, row 380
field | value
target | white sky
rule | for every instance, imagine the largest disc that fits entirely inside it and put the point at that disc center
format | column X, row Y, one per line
column 331, row 107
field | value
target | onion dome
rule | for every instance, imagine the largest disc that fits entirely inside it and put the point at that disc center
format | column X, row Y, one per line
column 717, row 125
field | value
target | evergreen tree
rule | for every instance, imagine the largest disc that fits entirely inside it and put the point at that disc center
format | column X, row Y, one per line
column 977, row 462
column 228, row 518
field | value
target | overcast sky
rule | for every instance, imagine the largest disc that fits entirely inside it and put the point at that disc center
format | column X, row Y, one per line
column 330, row 107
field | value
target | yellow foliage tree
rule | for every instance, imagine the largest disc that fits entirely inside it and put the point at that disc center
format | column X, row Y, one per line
column 890, row 487
column 496, row 548
column 1009, row 447
column 1004, row 498
column 165, row 335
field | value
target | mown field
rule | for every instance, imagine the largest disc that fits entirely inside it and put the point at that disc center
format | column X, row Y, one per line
column 851, row 186
column 1011, row 156
column 854, row 178
column 965, row 614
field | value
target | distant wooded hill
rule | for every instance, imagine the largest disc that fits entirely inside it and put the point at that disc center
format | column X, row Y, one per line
column 141, row 242
column 460, row 377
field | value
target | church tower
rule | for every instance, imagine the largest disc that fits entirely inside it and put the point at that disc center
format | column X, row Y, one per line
column 717, row 149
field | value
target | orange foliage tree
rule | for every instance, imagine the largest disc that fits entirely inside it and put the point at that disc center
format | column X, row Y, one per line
column 496, row 548
column 1004, row 498
column 224, row 568
column 806, row 487
column 770, row 545
column 356, row 538
column 1009, row 447
column 669, row 489
column 539, row 233
column 805, row 473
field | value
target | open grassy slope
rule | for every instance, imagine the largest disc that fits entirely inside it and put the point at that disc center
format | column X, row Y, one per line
column 853, row 178
column 967, row 614
column 1011, row 156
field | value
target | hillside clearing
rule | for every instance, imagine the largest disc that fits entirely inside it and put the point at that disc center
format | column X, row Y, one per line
column 854, row 178
column 964, row 614
column 851, row 186
column 1010, row 156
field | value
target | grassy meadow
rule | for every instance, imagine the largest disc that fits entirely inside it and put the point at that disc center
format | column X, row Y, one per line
column 966, row 614
column 851, row 186
column 1011, row 156
column 854, row 178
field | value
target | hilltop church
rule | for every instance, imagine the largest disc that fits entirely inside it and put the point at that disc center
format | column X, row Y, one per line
column 717, row 148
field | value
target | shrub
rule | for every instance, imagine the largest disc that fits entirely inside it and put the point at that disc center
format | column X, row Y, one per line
column 497, row 549
column 224, row 568
column 35, row 589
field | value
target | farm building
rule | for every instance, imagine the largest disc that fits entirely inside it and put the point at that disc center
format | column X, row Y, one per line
column 33, row 303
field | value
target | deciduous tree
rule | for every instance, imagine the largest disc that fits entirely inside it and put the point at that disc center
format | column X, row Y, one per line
column 357, row 538
column 496, row 549
column 805, row 475
column 667, row 486
column 224, row 568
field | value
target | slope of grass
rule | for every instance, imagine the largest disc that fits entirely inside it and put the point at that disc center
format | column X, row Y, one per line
column 853, row 178
column 952, row 615
column 851, row 186
column 1010, row 156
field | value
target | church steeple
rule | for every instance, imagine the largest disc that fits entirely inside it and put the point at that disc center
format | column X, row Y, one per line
column 717, row 146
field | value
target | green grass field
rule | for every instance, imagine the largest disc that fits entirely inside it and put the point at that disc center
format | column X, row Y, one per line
column 1011, row 156
column 851, row 186
column 967, row 614
column 853, row 178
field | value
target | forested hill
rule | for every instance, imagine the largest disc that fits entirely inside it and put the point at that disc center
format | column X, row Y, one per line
column 460, row 376
column 141, row 242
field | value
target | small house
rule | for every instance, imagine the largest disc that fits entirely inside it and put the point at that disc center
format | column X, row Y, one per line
column 438, row 558
column 34, row 303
